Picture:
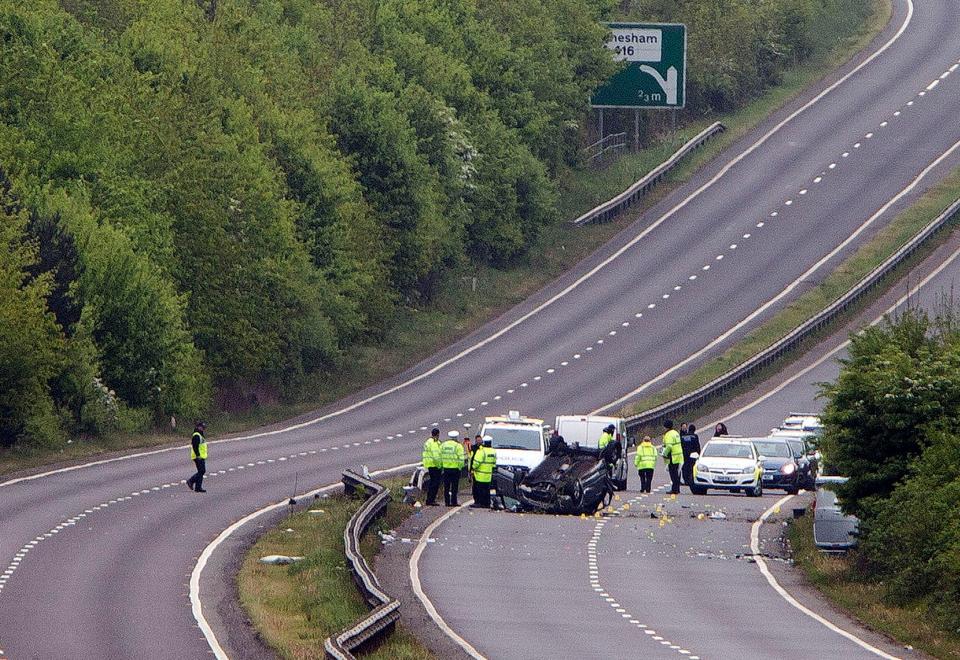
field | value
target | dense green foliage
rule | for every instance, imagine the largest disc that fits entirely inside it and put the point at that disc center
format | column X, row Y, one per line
column 209, row 195
column 232, row 192
column 891, row 425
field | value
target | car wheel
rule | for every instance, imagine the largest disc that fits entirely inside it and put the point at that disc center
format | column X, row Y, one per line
column 793, row 491
column 757, row 491
column 619, row 484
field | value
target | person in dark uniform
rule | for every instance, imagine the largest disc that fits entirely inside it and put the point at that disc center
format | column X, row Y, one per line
column 198, row 452
column 690, row 444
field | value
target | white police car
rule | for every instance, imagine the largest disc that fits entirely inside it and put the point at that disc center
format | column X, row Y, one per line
column 728, row 464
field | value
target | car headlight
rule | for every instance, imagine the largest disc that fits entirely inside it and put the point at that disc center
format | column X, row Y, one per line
column 700, row 468
column 748, row 470
column 789, row 468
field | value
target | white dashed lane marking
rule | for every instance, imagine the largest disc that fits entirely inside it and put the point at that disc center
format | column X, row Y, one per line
column 593, row 572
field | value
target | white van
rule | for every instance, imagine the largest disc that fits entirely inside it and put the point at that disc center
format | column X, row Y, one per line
column 585, row 430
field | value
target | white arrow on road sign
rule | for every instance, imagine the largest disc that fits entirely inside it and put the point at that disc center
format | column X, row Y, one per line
column 669, row 85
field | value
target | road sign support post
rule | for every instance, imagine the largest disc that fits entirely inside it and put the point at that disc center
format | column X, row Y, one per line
column 600, row 125
column 636, row 129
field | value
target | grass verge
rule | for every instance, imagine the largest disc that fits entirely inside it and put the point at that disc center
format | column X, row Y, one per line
column 418, row 332
column 837, row 578
column 296, row 607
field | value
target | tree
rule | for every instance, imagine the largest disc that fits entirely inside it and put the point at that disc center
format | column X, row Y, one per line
column 900, row 382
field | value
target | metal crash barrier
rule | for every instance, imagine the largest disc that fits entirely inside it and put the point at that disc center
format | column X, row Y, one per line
column 386, row 609
column 792, row 339
column 611, row 208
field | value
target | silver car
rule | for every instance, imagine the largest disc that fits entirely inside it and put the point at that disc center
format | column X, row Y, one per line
column 833, row 530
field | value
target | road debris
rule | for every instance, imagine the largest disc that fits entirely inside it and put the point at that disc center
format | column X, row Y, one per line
column 280, row 560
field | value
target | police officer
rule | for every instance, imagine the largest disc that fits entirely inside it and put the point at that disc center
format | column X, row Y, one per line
column 483, row 465
column 690, row 443
column 606, row 437
column 451, row 460
column 672, row 455
column 431, row 461
column 198, row 453
column 645, row 461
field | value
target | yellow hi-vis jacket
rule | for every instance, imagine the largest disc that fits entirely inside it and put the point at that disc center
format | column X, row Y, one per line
column 646, row 458
column 431, row 453
column 202, row 447
column 484, row 463
column 672, row 451
column 451, row 455
column 605, row 439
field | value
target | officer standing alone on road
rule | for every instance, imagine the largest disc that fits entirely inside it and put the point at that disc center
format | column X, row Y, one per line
column 645, row 461
column 451, row 459
column 431, row 461
column 198, row 453
column 483, row 465
column 672, row 455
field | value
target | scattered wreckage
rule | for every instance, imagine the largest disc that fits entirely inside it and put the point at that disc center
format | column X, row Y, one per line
column 569, row 480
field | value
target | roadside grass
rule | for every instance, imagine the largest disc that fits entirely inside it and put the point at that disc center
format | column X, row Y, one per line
column 295, row 607
column 849, row 272
column 838, row 579
column 419, row 331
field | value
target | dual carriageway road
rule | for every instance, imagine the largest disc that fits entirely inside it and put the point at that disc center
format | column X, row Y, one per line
column 97, row 561
column 628, row 585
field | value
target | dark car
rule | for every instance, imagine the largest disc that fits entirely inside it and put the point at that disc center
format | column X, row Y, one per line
column 780, row 468
column 805, row 455
column 569, row 480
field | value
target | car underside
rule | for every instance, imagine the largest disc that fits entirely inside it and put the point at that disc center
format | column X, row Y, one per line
column 569, row 480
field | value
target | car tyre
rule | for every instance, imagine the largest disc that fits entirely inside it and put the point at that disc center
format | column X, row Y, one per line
column 757, row 491
column 619, row 484
column 793, row 490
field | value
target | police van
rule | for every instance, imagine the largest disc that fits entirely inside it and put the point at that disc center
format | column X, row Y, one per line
column 521, row 442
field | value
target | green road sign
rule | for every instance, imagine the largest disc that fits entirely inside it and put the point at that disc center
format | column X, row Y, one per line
column 656, row 67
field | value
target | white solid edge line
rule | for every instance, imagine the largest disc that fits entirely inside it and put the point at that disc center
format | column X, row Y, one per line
column 790, row 287
column 196, row 603
column 540, row 307
column 762, row 565
column 900, row 301
column 422, row 596
column 754, row 532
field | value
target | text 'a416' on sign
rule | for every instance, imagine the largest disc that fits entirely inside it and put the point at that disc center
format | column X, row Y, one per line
column 654, row 75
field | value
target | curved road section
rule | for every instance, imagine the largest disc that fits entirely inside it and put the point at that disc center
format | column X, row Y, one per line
column 662, row 577
column 95, row 562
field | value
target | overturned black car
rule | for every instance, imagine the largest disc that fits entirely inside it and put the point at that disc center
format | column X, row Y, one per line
column 569, row 480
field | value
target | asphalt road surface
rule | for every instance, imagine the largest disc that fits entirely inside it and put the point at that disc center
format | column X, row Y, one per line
column 661, row 578
column 96, row 562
